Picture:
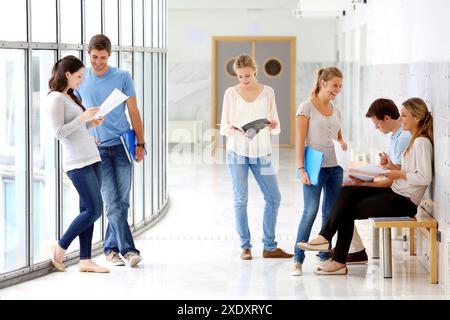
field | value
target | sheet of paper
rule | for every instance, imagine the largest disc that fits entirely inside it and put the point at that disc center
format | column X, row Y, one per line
column 372, row 169
column 341, row 155
column 114, row 99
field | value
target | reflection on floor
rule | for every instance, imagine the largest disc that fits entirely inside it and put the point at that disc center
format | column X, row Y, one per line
column 193, row 253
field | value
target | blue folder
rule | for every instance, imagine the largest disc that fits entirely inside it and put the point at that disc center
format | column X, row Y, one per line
column 313, row 164
column 129, row 142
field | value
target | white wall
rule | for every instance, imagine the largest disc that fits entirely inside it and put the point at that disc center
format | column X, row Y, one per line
column 398, row 31
column 190, row 32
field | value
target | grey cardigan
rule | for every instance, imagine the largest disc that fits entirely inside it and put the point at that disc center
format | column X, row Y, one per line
column 79, row 148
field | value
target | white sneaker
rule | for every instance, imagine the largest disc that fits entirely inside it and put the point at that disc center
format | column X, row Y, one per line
column 114, row 259
column 296, row 269
column 132, row 258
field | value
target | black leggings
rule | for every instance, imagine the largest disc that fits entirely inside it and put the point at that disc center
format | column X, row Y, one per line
column 362, row 203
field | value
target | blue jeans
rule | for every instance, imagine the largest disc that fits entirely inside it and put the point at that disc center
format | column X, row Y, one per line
column 116, row 186
column 87, row 181
column 263, row 171
column 330, row 180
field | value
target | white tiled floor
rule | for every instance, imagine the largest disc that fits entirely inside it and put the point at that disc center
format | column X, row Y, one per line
column 193, row 253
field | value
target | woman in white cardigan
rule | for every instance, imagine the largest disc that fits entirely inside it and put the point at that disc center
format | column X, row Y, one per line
column 244, row 103
column 397, row 195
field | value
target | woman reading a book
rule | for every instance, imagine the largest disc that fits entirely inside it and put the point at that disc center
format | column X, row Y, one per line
column 70, row 121
column 250, row 149
column 318, row 122
column 396, row 196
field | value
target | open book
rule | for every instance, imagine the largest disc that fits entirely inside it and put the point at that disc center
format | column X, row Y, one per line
column 252, row 128
column 364, row 173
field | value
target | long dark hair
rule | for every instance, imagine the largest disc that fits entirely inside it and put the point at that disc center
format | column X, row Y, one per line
column 58, row 80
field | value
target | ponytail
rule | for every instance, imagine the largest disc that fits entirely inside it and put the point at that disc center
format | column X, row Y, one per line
column 418, row 108
column 325, row 74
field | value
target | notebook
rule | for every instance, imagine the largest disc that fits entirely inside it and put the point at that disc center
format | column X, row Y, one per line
column 313, row 164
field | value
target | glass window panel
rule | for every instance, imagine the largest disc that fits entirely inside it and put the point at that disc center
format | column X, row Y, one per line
column 13, row 20
column 12, row 160
column 138, row 77
column 126, row 28
column 161, row 23
column 70, row 21
column 65, row 53
column 43, row 21
column 97, row 236
column 113, row 60
column 148, row 104
column 93, row 13
column 155, row 121
column 44, row 174
column 111, row 21
column 148, row 23
column 126, row 61
column 138, row 23
column 164, row 24
column 161, row 128
column 71, row 208
column 155, row 23
column 165, row 128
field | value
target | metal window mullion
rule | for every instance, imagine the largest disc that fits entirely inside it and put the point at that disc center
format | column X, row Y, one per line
column 28, row 150
column 119, row 33
column 58, row 149
column 132, row 24
column 102, row 10
column 83, row 24
column 134, row 75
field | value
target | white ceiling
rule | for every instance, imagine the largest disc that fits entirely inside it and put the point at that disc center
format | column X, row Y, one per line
column 309, row 8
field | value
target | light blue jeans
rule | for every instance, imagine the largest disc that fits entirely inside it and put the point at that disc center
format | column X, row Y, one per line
column 262, row 169
column 116, row 186
column 330, row 180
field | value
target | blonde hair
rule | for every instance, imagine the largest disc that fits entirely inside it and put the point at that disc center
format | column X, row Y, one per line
column 418, row 108
column 244, row 61
column 325, row 74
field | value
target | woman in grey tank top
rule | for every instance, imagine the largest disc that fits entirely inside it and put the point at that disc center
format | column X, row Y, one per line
column 318, row 122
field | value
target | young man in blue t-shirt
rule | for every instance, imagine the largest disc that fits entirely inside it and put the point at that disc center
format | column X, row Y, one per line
column 99, row 81
column 386, row 118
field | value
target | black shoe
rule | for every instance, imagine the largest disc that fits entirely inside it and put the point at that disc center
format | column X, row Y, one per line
column 359, row 257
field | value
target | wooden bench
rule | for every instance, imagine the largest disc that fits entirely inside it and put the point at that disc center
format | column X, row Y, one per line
column 422, row 220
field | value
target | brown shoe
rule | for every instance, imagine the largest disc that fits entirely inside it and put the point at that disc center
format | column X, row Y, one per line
column 359, row 257
column 277, row 253
column 246, row 254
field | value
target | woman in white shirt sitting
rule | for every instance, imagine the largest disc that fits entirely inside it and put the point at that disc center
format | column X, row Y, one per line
column 244, row 103
column 397, row 195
